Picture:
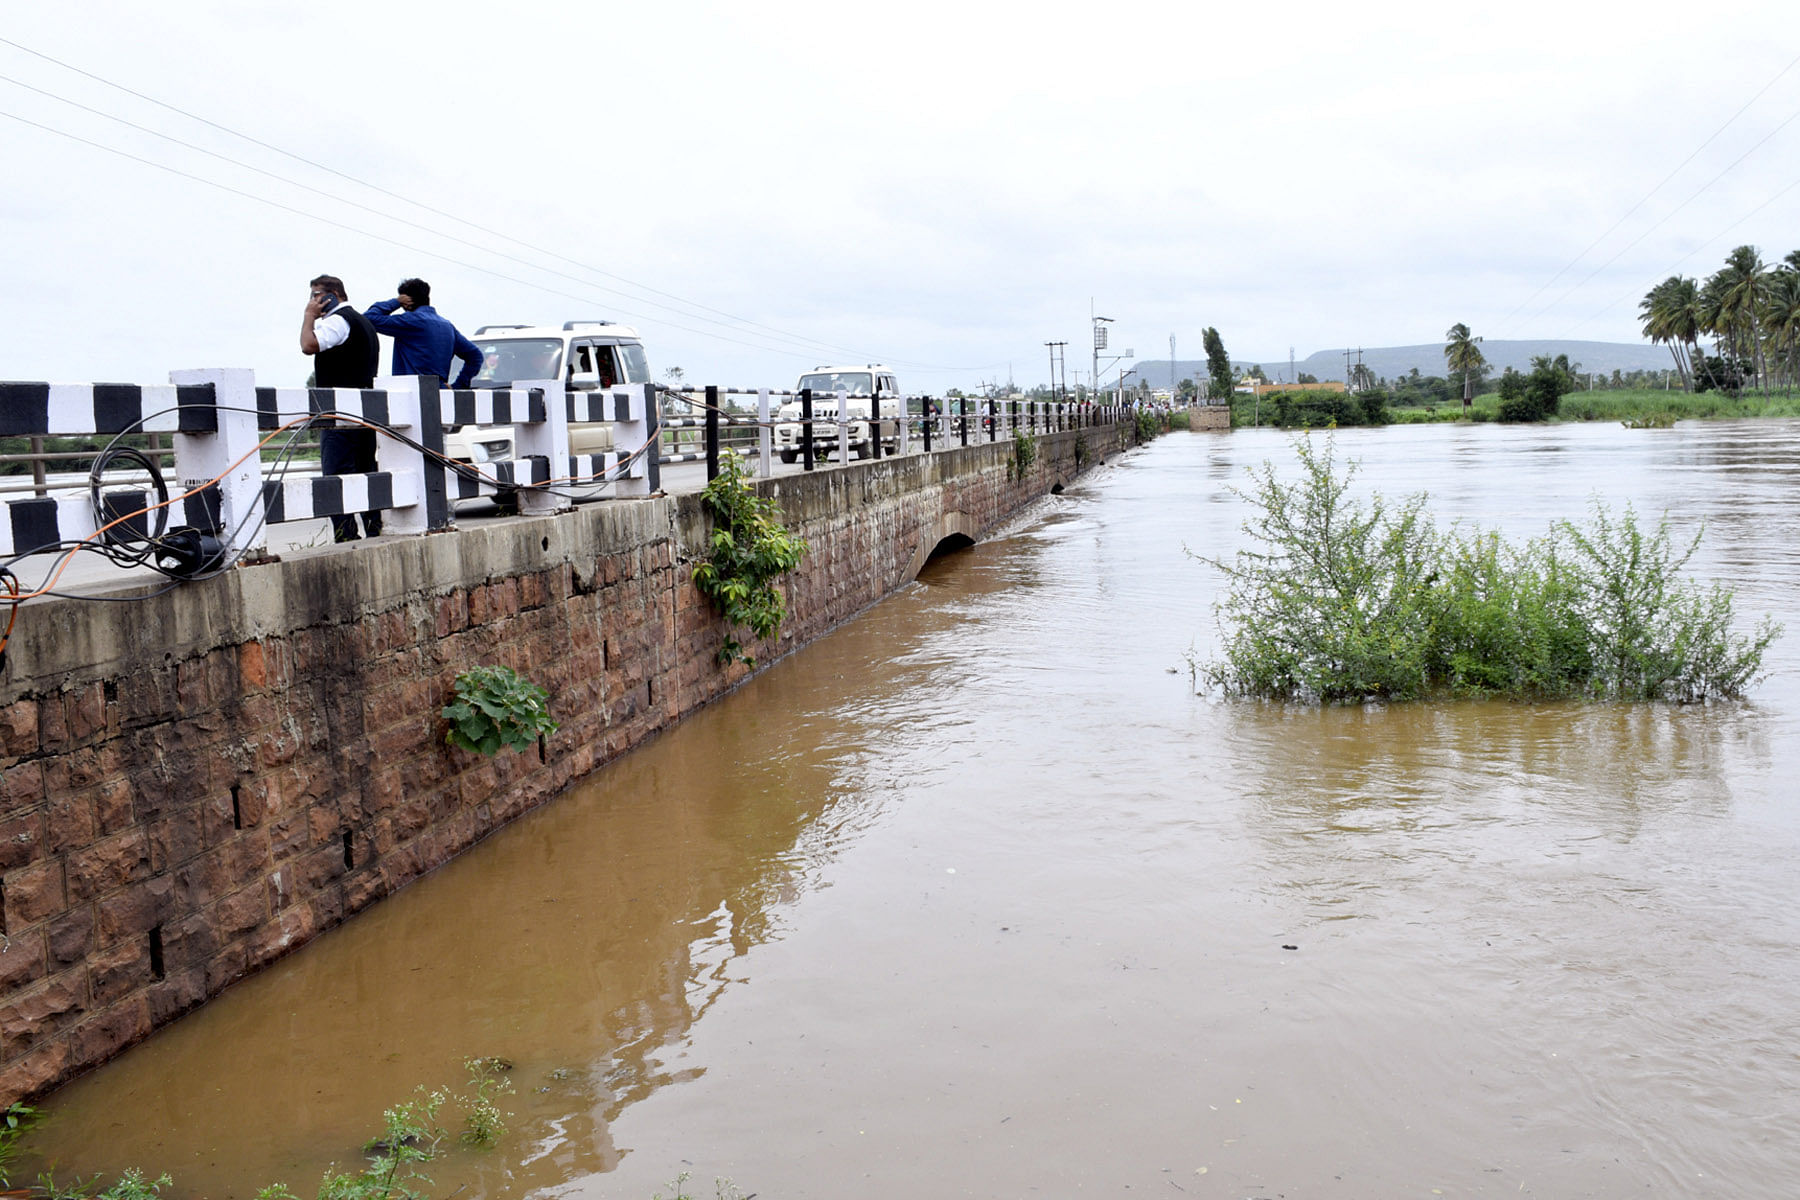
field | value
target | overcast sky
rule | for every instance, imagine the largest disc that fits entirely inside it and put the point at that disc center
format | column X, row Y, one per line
column 944, row 187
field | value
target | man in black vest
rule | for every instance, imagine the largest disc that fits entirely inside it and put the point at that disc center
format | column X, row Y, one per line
column 345, row 349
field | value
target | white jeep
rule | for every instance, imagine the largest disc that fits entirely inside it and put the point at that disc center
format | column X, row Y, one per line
column 866, row 385
column 585, row 355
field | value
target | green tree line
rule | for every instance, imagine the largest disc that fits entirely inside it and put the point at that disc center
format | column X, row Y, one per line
column 1751, row 311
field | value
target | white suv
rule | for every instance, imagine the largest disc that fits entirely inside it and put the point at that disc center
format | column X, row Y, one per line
column 865, row 384
column 585, row 355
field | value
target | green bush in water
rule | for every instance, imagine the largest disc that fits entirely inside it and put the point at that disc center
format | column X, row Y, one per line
column 1348, row 599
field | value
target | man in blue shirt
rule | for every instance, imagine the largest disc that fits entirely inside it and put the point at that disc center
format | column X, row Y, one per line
column 424, row 343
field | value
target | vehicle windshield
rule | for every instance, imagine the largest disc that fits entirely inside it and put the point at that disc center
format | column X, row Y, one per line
column 505, row 360
column 857, row 383
column 637, row 367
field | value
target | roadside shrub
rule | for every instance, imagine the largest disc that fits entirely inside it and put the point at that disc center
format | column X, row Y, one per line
column 1347, row 599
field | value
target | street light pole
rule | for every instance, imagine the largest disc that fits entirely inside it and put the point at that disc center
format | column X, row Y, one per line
column 1100, row 324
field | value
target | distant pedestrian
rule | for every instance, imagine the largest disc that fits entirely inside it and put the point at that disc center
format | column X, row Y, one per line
column 424, row 343
column 345, row 353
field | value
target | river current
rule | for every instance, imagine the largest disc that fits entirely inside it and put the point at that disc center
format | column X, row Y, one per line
column 977, row 897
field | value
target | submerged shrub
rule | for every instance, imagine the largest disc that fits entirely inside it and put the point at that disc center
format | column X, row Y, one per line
column 1334, row 601
column 1345, row 599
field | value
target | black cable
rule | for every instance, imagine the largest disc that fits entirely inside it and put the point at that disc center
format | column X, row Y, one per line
column 117, row 542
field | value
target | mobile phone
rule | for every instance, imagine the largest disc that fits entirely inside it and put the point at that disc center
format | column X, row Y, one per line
column 327, row 302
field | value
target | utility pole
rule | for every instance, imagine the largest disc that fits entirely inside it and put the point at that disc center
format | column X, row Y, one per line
column 1292, row 377
column 1173, row 390
column 1100, row 324
column 1056, row 364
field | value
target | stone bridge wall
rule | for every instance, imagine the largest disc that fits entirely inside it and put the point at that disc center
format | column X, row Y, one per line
column 193, row 784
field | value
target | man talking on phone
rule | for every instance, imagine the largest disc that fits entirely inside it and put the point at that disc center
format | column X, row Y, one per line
column 424, row 343
column 345, row 353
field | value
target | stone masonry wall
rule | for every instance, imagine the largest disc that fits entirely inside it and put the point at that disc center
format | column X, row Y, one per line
column 196, row 783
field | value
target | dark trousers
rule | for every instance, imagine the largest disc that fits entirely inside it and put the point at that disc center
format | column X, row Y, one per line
column 349, row 452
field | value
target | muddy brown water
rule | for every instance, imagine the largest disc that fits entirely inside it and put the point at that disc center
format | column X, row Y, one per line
column 977, row 898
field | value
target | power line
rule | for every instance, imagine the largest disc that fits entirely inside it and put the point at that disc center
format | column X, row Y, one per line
column 377, row 188
column 1646, row 197
column 1668, row 216
column 337, row 199
column 300, row 212
column 1676, row 266
column 742, row 321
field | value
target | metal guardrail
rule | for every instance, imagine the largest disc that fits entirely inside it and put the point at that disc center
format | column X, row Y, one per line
column 930, row 422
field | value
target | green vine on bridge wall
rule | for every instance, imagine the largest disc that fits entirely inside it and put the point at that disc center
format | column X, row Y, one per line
column 1024, row 453
column 748, row 552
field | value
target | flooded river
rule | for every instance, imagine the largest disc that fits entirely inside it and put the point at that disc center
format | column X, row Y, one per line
column 977, row 898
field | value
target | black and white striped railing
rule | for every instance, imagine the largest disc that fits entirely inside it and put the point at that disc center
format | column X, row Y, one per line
column 313, row 496
column 45, row 409
column 496, row 477
column 482, row 406
column 219, row 420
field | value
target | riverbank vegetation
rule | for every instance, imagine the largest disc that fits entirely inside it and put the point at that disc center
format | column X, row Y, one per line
column 1635, row 406
column 412, row 1134
column 1344, row 599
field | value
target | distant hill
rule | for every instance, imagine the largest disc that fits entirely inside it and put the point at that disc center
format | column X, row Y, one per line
column 1391, row 362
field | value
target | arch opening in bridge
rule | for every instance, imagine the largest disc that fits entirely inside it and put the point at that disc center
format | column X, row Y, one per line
column 949, row 533
column 950, row 545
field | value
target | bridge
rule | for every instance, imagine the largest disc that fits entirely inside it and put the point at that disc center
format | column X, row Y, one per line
column 203, row 770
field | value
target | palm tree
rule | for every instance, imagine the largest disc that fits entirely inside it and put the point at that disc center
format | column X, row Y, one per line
column 1781, row 322
column 1732, row 304
column 1671, row 315
column 1462, row 353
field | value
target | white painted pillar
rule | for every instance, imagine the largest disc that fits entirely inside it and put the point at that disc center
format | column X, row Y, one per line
column 232, row 452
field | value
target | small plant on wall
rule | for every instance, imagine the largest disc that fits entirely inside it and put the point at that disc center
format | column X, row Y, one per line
column 1024, row 453
column 495, row 707
column 748, row 552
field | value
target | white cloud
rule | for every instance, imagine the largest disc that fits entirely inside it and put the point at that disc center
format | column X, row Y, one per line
column 940, row 184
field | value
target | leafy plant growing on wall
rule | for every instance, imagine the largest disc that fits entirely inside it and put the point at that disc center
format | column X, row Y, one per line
column 748, row 552
column 1146, row 425
column 1024, row 453
column 495, row 707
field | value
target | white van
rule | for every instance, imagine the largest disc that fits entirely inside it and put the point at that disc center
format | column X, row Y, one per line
column 585, row 355
column 871, row 381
